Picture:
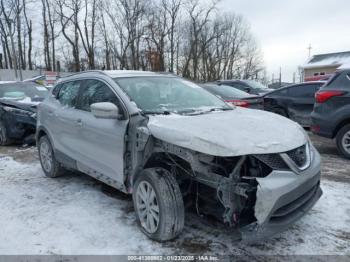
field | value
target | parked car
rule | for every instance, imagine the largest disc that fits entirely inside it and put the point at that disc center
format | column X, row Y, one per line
column 168, row 142
column 295, row 101
column 249, row 86
column 18, row 103
column 331, row 114
column 235, row 96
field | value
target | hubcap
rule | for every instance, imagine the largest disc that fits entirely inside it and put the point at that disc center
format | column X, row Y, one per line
column 346, row 142
column 147, row 207
column 46, row 156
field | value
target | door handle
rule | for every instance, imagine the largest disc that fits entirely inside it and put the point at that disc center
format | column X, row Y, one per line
column 79, row 123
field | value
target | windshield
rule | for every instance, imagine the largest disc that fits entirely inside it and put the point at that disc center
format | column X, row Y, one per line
column 26, row 92
column 255, row 85
column 169, row 94
column 226, row 92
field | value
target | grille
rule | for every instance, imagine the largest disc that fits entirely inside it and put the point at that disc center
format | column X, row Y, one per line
column 274, row 161
column 298, row 155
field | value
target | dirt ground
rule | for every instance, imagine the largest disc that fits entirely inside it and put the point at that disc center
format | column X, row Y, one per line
column 76, row 215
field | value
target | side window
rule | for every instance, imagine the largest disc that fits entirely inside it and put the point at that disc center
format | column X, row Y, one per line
column 302, row 91
column 68, row 93
column 282, row 92
column 95, row 92
column 56, row 90
column 238, row 86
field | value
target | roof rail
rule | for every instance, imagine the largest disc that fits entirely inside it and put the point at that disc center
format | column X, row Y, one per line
column 84, row 72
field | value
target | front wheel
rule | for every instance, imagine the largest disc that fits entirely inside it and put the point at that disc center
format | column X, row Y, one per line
column 158, row 204
column 343, row 141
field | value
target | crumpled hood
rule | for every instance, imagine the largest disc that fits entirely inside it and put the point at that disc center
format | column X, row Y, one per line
column 229, row 133
column 30, row 106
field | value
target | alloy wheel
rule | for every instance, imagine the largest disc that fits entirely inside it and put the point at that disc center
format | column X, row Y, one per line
column 147, row 207
column 346, row 142
column 46, row 156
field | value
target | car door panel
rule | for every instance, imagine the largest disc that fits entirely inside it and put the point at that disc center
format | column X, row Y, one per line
column 100, row 141
column 61, row 117
column 101, row 144
column 300, row 105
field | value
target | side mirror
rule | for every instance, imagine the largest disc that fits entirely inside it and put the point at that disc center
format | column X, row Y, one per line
column 247, row 89
column 105, row 110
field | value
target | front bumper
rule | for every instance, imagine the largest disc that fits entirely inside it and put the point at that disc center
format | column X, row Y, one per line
column 282, row 198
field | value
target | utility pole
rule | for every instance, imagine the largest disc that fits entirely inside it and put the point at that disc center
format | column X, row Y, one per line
column 293, row 77
column 309, row 48
column 280, row 80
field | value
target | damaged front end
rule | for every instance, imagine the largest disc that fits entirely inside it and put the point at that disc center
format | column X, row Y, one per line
column 19, row 120
column 259, row 195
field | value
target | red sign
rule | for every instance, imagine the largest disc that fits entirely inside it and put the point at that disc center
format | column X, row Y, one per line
column 50, row 77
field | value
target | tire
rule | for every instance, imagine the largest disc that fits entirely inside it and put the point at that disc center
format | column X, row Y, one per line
column 168, row 200
column 46, row 156
column 343, row 140
column 4, row 140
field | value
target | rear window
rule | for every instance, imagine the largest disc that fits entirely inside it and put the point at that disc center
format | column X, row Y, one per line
column 303, row 90
column 339, row 80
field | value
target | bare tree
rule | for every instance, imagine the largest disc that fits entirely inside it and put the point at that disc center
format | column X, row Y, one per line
column 88, row 37
column 30, row 36
column 68, row 12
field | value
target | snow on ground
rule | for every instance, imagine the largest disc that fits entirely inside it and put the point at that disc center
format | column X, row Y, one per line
column 76, row 214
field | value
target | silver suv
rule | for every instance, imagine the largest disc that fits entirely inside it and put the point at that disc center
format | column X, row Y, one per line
column 171, row 144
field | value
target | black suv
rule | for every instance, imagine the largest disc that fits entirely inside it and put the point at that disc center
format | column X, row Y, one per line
column 331, row 114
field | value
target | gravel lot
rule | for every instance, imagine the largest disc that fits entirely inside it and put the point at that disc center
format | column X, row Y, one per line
column 76, row 215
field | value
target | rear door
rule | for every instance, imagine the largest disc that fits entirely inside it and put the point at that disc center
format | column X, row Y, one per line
column 301, row 101
column 101, row 141
column 62, row 116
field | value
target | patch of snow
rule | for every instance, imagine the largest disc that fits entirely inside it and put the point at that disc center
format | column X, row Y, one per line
column 336, row 60
column 67, row 215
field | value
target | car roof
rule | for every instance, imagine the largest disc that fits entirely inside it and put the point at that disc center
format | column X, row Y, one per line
column 116, row 74
column 304, row 83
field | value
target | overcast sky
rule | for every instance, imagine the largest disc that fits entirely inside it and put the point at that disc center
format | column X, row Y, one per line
column 284, row 29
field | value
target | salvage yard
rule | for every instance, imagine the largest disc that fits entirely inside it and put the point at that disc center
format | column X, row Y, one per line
column 76, row 214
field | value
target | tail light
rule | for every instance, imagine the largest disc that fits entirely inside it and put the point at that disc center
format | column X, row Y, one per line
column 324, row 95
column 238, row 103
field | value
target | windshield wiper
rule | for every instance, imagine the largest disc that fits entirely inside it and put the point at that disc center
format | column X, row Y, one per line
column 151, row 112
column 204, row 111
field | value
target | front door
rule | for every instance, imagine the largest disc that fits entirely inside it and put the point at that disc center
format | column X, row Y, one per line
column 101, row 141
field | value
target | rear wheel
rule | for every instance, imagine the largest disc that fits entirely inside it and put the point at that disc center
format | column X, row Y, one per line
column 158, row 204
column 49, row 164
column 343, row 140
column 4, row 140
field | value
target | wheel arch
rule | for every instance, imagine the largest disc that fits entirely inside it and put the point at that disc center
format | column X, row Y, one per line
column 339, row 126
column 164, row 160
column 42, row 131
